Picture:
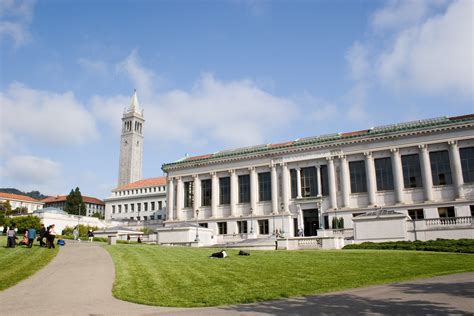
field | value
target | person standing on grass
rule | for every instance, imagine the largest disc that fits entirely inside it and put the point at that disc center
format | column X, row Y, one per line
column 11, row 236
column 41, row 235
column 128, row 238
column 31, row 236
column 90, row 234
column 51, row 236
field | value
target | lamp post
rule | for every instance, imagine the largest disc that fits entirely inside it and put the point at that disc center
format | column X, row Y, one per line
column 282, row 232
column 251, row 220
column 197, row 227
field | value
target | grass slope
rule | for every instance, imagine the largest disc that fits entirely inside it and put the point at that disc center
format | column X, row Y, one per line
column 185, row 277
column 20, row 262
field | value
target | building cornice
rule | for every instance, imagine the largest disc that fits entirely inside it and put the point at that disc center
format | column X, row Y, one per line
column 331, row 143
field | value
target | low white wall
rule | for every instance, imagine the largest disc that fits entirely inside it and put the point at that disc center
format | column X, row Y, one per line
column 62, row 221
column 372, row 228
column 185, row 235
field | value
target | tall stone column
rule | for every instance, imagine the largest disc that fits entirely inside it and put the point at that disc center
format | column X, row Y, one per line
column 371, row 181
column 285, row 180
column 426, row 172
column 345, row 181
column 397, row 175
column 456, row 169
column 318, row 180
column 215, row 194
column 332, row 182
column 274, row 191
column 253, row 189
column 298, row 183
column 179, row 198
column 233, row 193
column 197, row 194
column 170, row 199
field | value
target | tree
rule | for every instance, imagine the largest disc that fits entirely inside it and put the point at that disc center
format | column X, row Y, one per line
column 24, row 222
column 98, row 215
column 74, row 203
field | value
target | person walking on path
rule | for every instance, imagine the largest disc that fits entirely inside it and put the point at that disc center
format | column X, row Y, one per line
column 75, row 233
column 90, row 234
column 51, row 236
column 31, row 236
column 41, row 235
column 11, row 236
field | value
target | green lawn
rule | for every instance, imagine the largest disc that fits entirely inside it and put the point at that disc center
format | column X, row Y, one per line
column 19, row 263
column 185, row 277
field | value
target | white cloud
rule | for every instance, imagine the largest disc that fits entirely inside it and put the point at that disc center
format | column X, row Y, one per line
column 16, row 17
column 93, row 66
column 142, row 78
column 435, row 56
column 46, row 117
column 110, row 109
column 32, row 173
column 358, row 61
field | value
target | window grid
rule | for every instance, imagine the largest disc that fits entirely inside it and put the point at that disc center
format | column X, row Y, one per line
column 324, row 180
column 416, row 214
column 264, row 186
column 222, row 227
column 188, row 194
column 411, row 171
column 206, row 192
column 308, row 182
column 263, row 227
column 293, row 180
column 440, row 169
column 242, row 227
column 467, row 164
column 358, row 177
column 224, row 190
column 384, row 174
column 244, row 188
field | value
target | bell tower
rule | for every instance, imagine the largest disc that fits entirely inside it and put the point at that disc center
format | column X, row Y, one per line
column 131, row 144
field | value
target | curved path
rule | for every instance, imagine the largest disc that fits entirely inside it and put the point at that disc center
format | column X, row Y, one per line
column 79, row 282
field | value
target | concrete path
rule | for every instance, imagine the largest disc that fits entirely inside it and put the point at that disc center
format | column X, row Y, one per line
column 79, row 282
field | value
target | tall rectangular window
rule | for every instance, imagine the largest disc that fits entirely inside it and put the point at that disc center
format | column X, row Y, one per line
column 467, row 164
column 358, row 177
column 139, row 207
column 206, row 192
column 120, row 208
column 145, row 206
column 440, row 169
column 264, row 186
column 160, row 205
column 125, row 208
column 263, row 227
column 324, row 180
column 132, row 207
column 308, row 182
column 222, row 227
column 384, row 174
column 113, row 209
column 411, row 171
column 188, row 194
column 244, row 188
column 293, row 180
column 152, row 206
column 224, row 190
column 242, row 226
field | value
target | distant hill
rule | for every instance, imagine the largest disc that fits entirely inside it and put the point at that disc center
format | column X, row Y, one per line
column 34, row 194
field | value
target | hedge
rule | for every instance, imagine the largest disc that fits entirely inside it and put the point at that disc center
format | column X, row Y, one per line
column 442, row 245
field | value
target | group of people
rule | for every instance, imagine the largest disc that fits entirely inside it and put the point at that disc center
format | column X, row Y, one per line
column 75, row 234
column 29, row 237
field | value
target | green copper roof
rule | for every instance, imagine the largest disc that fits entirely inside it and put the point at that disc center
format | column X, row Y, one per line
column 318, row 140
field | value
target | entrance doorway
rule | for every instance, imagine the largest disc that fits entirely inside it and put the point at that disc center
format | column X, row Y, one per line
column 311, row 222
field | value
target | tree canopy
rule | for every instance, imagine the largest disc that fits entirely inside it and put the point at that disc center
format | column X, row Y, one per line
column 74, row 203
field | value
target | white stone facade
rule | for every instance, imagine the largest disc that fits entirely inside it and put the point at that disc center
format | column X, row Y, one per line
column 20, row 201
column 143, row 200
column 310, row 181
column 131, row 144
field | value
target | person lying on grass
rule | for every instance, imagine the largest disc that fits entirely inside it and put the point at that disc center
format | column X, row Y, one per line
column 220, row 254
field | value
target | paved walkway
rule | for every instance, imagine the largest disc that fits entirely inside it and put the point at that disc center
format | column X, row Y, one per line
column 79, row 282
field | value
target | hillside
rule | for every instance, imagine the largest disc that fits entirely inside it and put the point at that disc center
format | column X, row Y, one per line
column 34, row 194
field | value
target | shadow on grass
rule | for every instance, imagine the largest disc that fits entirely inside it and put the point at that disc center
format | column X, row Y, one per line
column 351, row 304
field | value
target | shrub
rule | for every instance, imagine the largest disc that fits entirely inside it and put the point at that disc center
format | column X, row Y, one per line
column 443, row 245
column 24, row 222
column 83, row 229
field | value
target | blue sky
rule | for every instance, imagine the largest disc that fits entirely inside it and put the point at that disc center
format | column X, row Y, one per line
column 214, row 75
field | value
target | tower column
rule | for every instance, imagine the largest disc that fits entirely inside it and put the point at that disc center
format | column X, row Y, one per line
column 214, row 194
column 426, row 172
column 179, row 198
column 318, row 180
column 298, row 183
column 332, row 182
column 456, row 169
column 345, row 181
column 285, row 187
column 170, row 199
column 197, row 194
column 397, row 175
column 274, row 188
column 253, row 189
column 233, row 193
column 371, row 181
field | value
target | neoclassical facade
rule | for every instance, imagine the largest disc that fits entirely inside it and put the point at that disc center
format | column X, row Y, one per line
column 93, row 205
column 21, row 201
column 424, row 169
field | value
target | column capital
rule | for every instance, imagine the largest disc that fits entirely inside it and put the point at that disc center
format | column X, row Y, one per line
column 423, row 147
column 368, row 154
column 298, row 168
column 178, row 178
column 342, row 156
column 231, row 171
column 318, row 165
column 283, row 164
column 213, row 173
column 251, row 168
column 453, row 143
column 330, row 158
column 195, row 176
column 394, row 150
